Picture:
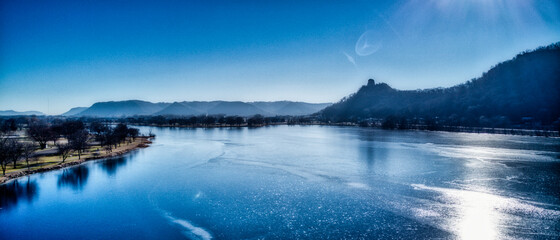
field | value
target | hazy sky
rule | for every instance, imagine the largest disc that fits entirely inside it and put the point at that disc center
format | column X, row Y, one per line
column 57, row 55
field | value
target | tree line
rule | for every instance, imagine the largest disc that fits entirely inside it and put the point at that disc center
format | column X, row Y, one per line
column 215, row 120
column 67, row 135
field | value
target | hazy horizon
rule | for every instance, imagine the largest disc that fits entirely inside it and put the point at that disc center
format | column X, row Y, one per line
column 59, row 55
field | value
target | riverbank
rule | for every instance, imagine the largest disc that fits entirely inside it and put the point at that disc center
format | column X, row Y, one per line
column 54, row 162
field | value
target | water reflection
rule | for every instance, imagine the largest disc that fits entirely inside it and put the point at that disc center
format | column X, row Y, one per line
column 477, row 208
column 372, row 149
column 17, row 191
column 367, row 149
column 478, row 215
column 75, row 178
column 112, row 165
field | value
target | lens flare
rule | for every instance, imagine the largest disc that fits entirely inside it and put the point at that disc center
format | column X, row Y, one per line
column 368, row 43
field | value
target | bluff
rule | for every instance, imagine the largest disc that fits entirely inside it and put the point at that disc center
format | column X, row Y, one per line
column 525, row 88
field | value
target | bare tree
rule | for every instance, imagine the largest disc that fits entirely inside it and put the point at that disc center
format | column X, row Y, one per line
column 120, row 132
column 28, row 150
column 41, row 133
column 10, row 151
column 68, row 128
column 97, row 128
column 78, row 141
column 15, row 151
column 108, row 148
column 4, row 154
column 133, row 133
column 8, row 125
column 64, row 150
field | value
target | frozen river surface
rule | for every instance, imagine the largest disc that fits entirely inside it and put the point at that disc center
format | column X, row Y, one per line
column 307, row 182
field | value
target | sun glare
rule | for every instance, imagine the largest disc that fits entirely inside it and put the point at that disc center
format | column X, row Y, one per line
column 477, row 218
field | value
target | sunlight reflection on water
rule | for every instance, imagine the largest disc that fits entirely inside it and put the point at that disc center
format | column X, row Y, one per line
column 301, row 183
column 479, row 215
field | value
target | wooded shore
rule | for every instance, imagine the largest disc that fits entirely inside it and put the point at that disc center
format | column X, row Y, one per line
column 54, row 162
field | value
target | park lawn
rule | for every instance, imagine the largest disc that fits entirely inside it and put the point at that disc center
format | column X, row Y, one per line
column 46, row 161
column 43, row 161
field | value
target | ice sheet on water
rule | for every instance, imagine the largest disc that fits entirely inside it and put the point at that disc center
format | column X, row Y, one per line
column 484, row 154
column 190, row 231
column 501, row 203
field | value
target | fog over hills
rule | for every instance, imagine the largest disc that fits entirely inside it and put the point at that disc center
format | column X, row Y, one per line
column 526, row 88
column 16, row 113
column 290, row 108
column 294, row 108
column 236, row 108
column 201, row 106
column 230, row 108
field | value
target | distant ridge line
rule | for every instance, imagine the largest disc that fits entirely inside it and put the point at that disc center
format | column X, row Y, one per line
column 128, row 108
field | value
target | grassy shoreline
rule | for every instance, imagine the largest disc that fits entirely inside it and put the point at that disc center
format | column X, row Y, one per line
column 54, row 162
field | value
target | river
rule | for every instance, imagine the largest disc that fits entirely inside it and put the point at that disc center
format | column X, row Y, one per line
column 307, row 182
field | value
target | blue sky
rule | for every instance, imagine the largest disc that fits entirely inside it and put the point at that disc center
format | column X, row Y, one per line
column 55, row 55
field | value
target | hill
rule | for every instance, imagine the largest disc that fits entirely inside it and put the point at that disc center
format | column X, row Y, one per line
column 517, row 91
column 178, row 109
column 300, row 108
column 284, row 108
column 202, row 106
column 235, row 108
column 271, row 107
column 123, row 108
column 16, row 113
column 74, row 111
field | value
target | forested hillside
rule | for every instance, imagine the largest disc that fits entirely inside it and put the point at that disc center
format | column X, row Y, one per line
column 524, row 90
